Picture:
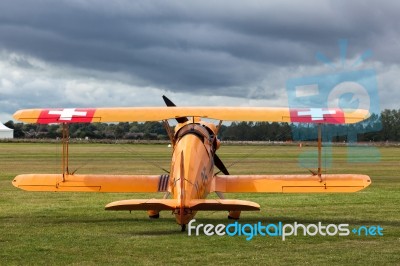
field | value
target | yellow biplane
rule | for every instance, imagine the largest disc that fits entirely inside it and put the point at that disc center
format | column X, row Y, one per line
column 191, row 177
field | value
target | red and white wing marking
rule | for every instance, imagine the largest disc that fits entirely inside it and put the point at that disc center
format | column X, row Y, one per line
column 67, row 115
column 318, row 115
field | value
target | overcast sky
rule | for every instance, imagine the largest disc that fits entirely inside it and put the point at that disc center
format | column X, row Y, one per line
column 93, row 53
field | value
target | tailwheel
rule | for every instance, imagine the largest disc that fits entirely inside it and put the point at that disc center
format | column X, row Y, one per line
column 183, row 227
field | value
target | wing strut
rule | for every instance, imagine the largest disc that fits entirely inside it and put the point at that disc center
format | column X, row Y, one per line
column 319, row 172
column 169, row 132
column 65, row 154
column 319, row 151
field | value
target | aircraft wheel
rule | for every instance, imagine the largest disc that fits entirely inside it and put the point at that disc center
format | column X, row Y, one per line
column 183, row 227
column 156, row 216
column 234, row 215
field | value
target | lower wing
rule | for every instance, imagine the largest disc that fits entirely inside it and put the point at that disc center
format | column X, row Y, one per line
column 92, row 183
column 291, row 183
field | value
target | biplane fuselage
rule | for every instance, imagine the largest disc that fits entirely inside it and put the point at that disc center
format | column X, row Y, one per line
column 192, row 168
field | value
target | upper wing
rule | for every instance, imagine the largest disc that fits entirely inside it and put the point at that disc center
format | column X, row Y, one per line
column 92, row 183
column 290, row 183
column 130, row 114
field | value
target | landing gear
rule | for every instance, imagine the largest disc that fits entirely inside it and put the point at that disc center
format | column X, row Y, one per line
column 183, row 227
column 156, row 216
column 153, row 214
column 234, row 215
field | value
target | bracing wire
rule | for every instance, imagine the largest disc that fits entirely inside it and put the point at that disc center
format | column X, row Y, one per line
column 252, row 152
column 144, row 160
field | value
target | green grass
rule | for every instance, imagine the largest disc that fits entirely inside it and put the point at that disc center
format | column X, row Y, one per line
column 73, row 228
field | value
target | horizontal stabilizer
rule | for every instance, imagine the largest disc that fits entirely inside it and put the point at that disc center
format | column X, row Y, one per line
column 291, row 183
column 92, row 183
column 223, row 205
column 143, row 204
column 194, row 205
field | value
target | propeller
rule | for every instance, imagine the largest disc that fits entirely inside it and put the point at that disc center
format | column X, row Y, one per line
column 220, row 165
column 217, row 161
column 169, row 103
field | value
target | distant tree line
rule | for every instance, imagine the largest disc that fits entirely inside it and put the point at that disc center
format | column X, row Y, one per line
column 382, row 127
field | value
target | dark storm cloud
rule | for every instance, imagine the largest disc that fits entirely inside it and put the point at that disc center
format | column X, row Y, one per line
column 206, row 46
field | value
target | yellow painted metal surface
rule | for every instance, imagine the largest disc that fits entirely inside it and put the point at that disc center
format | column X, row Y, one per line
column 130, row 114
column 291, row 183
column 88, row 183
column 191, row 169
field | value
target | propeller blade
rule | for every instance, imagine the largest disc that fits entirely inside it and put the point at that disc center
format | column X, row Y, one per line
column 220, row 165
column 169, row 103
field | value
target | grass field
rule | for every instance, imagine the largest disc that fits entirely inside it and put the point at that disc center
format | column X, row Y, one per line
column 73, row 228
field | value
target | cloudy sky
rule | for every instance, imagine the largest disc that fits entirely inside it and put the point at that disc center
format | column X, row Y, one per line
column 93, row 53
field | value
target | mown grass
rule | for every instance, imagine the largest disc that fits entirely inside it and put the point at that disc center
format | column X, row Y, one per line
column 73, row 228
